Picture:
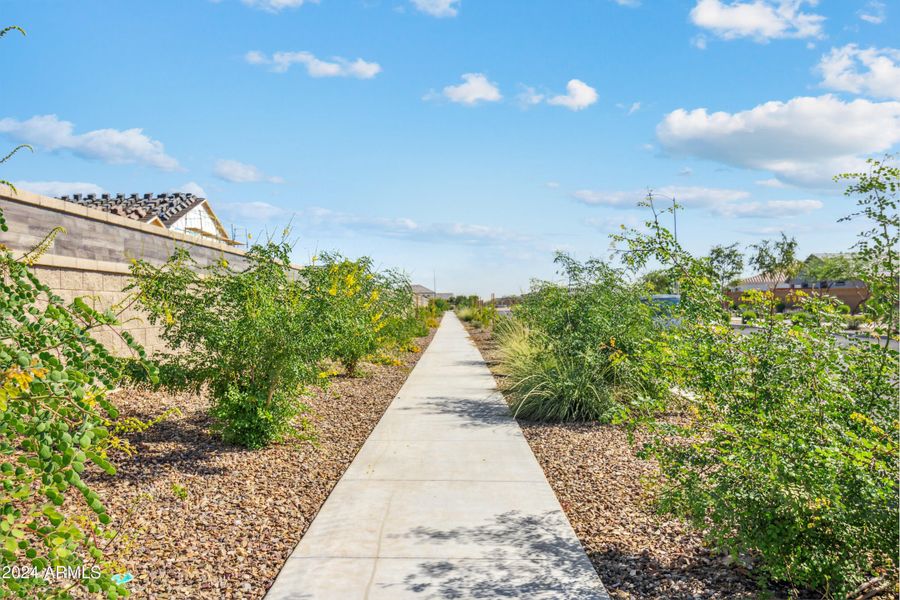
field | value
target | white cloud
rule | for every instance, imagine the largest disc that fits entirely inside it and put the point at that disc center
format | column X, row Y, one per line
column 578, row 96
column 803, row 141
column 438, row 8
column 529, row 97
column 114, row 146
column 771, row 209
column 874, row 12
column 635, row 106
column 760, row 20
column 722, row 202
column 778, row 229
column 602, row 198
column 476, row 88
column 613, row 224
column 409, row 229
column 553, row 185
column 771, row 183
column 280, row 62
column 686, row 172
column 628, row 3
column 191, row 187
column 277, row 5
column 238, row 172
column 699, row 42
column 258, row 212
column 686, row 195
column 871, row 71
column 59, row 188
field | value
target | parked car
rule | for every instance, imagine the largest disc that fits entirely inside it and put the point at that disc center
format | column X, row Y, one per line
column 664, row 306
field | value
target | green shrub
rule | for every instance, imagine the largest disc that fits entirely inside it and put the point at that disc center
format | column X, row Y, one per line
column 583, row 356
column 804, row 318
column 55, row 419
column 843, row 309
column 785, row 447
column 356, row 305
column 466, row 313
column 253, row 335
column 854, row 322
column 254, row 421
column 792, row 455
column 479, row 316
column 748, row 316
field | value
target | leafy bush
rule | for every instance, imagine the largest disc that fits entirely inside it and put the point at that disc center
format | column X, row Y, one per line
column 405, row 321
column 792, row 455
column 785, row 447
column 353, row 308
column 579, row 351
column 748, row 316
column 466, row 313
column 254, row 336
column 55, row 419
column 854, row 322
column 364, row 311
column 485, row 316
column 480, row 316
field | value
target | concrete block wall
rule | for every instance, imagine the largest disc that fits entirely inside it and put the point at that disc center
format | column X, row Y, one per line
column 105, row 291
column 92, row 258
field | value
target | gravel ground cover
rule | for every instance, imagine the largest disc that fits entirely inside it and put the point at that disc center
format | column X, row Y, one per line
column 638, row 553
column 209, row 520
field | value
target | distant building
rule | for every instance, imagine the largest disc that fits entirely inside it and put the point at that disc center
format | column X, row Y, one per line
column 182, row 212
column 762, row 282
column 422, row 294
column 850, row 291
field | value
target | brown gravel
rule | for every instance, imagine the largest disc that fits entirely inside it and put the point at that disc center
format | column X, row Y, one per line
column 638, row 553
column 244, row 511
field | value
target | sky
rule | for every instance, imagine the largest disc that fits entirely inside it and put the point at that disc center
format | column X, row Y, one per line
column 462, row 141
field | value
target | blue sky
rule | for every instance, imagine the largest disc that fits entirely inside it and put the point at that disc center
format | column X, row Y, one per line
column 465, row 138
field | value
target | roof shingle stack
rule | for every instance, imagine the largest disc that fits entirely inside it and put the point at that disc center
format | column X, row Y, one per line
column 140, row 207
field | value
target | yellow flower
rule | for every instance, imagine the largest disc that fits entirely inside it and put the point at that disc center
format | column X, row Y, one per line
column 19, row 377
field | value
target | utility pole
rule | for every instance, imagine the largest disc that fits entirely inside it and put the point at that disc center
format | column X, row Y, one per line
column 675, row 218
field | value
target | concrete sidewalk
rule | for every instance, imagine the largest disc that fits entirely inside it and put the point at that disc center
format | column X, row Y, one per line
column 444, row 500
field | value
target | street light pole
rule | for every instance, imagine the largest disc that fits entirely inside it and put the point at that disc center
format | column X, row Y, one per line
column 675, row 219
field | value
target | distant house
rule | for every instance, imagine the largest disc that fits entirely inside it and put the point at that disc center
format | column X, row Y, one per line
column 852, row 292
column 182, row 212
column 762, row 282
column 422, row 294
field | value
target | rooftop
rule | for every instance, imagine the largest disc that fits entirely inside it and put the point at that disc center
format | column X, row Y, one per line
column 421, row 290
column 168, row 208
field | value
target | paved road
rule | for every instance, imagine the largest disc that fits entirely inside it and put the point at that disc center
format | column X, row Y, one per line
column 444, row 500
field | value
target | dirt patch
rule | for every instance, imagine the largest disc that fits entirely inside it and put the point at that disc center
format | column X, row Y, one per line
column 209, row 520
column 638, row 553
